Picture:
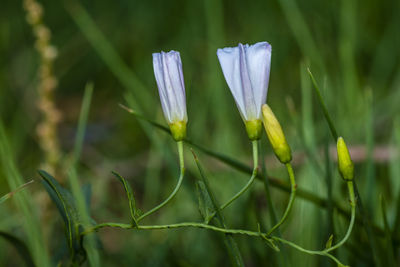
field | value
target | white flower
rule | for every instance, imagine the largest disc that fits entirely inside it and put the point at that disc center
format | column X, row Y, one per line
column 246, row 70
column 171, row 87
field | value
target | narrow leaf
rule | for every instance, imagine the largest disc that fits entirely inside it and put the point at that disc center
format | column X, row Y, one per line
column 329, row 242
column 233, row 249
column 324, row 108
column 206, row 207
column 66, row 207
column 131, row 198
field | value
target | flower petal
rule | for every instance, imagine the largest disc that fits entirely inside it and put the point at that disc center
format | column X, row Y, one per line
column 230, row 64
column 258, row 66
column 246, row 70
column 248, row 96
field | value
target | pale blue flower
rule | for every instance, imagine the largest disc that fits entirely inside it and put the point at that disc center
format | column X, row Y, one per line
column 171, row 87
column 246, row 70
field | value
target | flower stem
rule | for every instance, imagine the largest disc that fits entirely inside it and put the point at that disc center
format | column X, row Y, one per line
column 291, row 199
column 252, row 178
column 178, row 185
column 312, row 252
column 326, row 251
column 353, row 217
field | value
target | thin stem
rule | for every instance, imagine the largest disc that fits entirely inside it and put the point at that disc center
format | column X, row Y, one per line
column 209, row 227
column 291, row 199
column 312, row 252
column 349, row 230
column 178, row 185
column 172, row 226
column 353, row 217
column 252, row 178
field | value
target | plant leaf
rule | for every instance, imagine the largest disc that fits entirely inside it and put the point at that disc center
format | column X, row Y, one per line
column 66, row 206
column 206, row 207
column 329, row 242
column 232, row 247
column 131, row 198
column 20, row 247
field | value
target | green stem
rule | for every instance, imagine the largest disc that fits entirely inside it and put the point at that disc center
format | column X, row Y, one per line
column 208, row 227
column 353, row 217
column 312, row 252
column 178, row 185
column 326, row 251
column 172, row 226
column 291, row 199
column 252, row 178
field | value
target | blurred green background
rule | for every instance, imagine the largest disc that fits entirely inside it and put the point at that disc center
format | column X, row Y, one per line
column 352, row 48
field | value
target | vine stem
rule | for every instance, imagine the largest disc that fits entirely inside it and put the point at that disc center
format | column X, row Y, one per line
column 248, row 184
column 176, row 189
column 291, row 199
column 252, row 178
column 353, row 217
column 312, row 252
column 209, row 227
column 326, row 251
column 173, row 226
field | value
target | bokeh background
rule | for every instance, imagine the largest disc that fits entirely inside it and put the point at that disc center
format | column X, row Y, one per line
column 352, row 48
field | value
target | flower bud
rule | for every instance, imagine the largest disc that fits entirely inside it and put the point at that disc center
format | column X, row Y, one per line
column 346, row 166
column 178, row 130
column 275, row 135
column 169, row 77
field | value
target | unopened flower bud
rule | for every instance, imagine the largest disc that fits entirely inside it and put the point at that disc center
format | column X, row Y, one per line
column 275, row 135
column 346, row 166
column 169, row 77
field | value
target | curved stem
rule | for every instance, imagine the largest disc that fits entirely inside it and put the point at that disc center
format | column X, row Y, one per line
column 326, row 251
column 353, row 217
column 252, row 178
column 293, row 187
column 312, row 252
column 178, row 185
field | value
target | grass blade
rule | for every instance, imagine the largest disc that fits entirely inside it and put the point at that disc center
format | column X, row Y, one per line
column 233, row 250
column 323, row 106
column 24, row 203
column 73, row 179
column 9, row 195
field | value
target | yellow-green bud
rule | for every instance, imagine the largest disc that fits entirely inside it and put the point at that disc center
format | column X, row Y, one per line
column 275, row 135
column 178, row 130
column 253, row 129
column 346, row 166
